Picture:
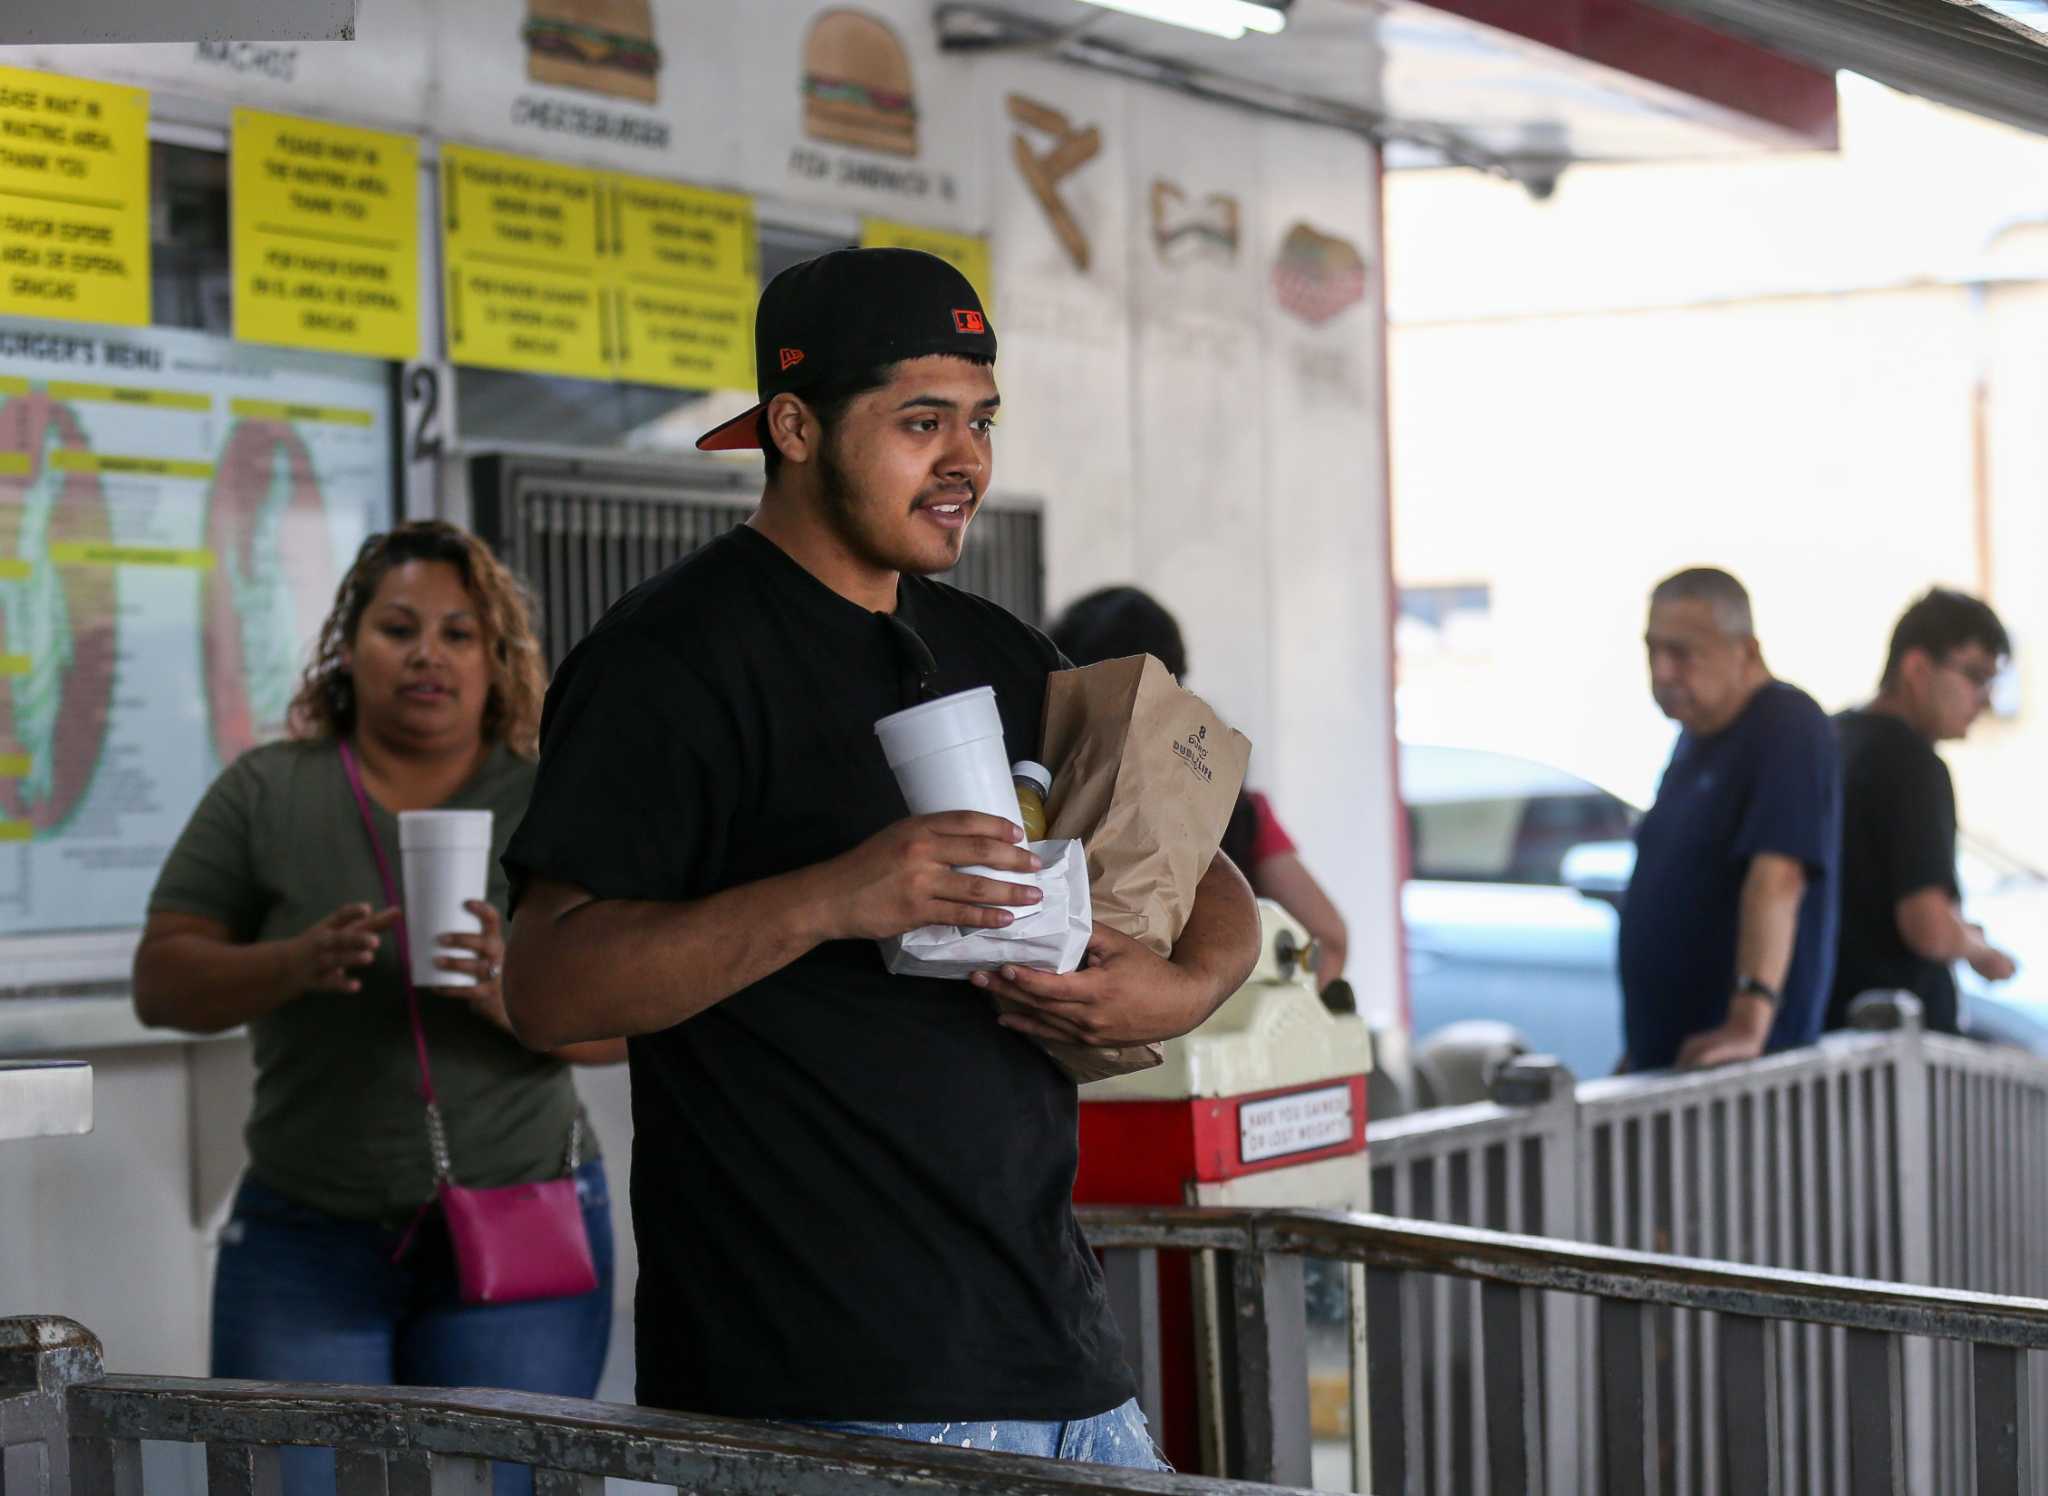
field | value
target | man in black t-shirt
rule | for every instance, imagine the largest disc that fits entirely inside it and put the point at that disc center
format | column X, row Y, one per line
column 850, row 1189
column 1902, row 923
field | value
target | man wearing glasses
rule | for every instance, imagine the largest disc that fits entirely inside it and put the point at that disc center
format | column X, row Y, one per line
column 851, row 1190
column 1902, row 923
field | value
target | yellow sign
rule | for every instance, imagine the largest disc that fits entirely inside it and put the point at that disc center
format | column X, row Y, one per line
column 118, row 394
column 16, row 766
column 74, row 199
column 964, row 252
column 13, row 570
column 15, row 464
column 15, row 664
column 595, row 275
column 685, row 272
column 278, row 410
column 520, row 239
column 98, row 553
column 17, row 831
column 71, row 460
column 326, row 236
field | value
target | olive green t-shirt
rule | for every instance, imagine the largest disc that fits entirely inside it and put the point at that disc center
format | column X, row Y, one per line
column 277, row 845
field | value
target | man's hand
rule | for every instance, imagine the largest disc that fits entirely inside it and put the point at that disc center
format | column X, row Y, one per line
column 1987, row 960
column 904, row 877
column 1741, row 1037
column 1994, row 965
column 1123, row 994
column 1718, row 1046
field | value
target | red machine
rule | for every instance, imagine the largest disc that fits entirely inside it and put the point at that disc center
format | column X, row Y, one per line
column 1263, row 1105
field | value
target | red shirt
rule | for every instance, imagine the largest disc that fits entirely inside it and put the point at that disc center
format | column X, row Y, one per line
column 1271, row 838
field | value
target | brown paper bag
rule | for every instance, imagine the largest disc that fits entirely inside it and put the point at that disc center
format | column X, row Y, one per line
column 1145, row 775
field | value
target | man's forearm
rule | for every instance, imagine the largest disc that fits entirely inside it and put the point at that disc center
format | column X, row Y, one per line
column 1933, row 927
column 609, row 968
column 1220, row 944
column 1768, row 930
column 1767, row 933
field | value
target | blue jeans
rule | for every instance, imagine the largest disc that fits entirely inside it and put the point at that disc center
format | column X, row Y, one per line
column 1118, row 1437
column 302, row 1296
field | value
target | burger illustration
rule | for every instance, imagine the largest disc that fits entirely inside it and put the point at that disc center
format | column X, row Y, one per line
column 600, row 46
column 1319, row 275
column 857, row 86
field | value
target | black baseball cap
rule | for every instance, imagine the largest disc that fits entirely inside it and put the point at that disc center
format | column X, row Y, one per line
column 849, row 311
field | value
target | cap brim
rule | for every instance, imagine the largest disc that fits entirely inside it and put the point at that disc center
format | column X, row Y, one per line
column 741, row 434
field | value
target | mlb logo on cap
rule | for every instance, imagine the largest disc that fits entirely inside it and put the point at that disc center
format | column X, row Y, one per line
column 968, row 321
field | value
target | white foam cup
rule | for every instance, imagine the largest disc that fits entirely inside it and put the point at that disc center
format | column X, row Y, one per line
column 446, row 861
column 949, row 755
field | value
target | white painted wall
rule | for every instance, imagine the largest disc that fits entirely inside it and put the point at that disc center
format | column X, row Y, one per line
column 1187, row 434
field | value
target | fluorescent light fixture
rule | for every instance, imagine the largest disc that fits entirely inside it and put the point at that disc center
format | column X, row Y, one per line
column 1229, row 19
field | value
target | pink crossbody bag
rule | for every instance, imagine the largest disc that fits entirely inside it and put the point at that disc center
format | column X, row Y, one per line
column 513, row 1243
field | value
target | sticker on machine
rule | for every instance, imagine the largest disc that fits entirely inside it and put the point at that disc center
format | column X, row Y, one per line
column 1302, row 1122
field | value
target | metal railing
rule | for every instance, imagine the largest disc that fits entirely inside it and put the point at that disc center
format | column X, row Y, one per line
column 1629, row 1293
column 1888, row 1154
column 68, row 1430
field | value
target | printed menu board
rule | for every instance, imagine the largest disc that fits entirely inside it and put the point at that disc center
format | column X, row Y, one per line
column 175, row 511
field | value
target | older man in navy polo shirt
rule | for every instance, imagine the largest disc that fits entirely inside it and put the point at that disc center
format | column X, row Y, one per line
column 1728, row 932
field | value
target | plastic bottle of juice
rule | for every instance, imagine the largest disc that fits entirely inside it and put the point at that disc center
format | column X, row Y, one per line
column 1034, row 784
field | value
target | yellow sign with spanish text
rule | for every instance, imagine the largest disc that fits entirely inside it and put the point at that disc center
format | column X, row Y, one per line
column 965, row 253
column 326, row 236
column 521, row 248
column 74, row 199
column 685, row 272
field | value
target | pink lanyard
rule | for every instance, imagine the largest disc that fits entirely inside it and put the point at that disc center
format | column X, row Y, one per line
column 391, row 901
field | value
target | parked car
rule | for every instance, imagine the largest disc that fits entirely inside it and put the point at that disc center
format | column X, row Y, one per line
column 1513, row 900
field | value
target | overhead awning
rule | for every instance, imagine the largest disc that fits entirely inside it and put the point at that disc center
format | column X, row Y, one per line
column 1521, row 87
column 1954, row 52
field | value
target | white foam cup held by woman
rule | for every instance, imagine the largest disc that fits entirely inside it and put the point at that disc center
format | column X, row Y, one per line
column 446, row 856
column 949, row 755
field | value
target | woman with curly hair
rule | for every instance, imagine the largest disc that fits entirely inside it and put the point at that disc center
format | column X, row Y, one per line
column 266, row 914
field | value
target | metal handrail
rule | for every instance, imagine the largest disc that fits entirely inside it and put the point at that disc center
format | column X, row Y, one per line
column 396, row 1442
column 1264, row 1377
column 1545, row 1263
column 1885, row 1153
column 89, row 1429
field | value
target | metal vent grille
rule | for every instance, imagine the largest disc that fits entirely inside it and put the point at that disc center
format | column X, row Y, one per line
column 583, row 534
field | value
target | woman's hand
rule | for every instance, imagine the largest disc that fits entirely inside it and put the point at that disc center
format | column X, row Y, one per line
column 485, row 962
column 324, row 957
